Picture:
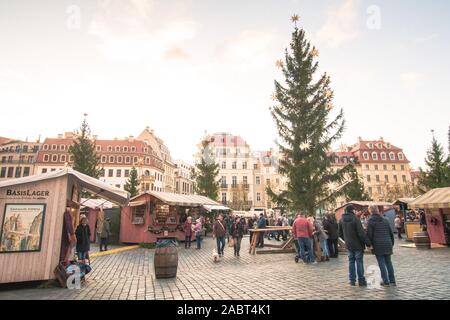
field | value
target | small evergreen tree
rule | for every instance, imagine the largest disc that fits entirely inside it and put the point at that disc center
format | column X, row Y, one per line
column 438, row 173
column 304, row 129
column 205, row 173
column 132, row 185
column 84, row 154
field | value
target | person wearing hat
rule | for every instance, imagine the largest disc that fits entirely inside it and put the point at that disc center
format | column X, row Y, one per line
column 104, row 236
column 356, row 240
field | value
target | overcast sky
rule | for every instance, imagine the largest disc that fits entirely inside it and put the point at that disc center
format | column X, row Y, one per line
column 183, row 67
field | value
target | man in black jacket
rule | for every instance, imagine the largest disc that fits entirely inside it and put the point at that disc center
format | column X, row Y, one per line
column 331, row 227
column 382, row 238
column 356, row 240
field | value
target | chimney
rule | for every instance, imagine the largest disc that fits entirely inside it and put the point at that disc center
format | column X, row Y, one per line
column 60, row 136
column 381, row 139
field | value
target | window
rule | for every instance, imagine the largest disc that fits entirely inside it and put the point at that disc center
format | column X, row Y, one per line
column 367, row 167
column 30, row 159
column 53, row 170
column 10, row 172
column 391, row 156
column 234, row 165
column 386, row 178
column 118, row 186
column 55, row 158
column 402, row 167
column 400, row 156
column 54, row 147
column 244, row 165
column 62, row 147
column 368, row 178
column 379, row 190
column 26, row 171
column 102, row 173
column 111, row 159
column 395, row 178
column 127, row 173
column 258, row 180
column 118, row 149
column 377, row 178
column 268, row 182
column 103, row 160
column 18, row 172
column 45, row 147
column 71, row 159
column 125, row 149
column 370, row 145
column 366, row 156
column 119, row 173
column 258, row 196
column 44, row 170
column 404, row 178
column 46, row 158
column 133, row 149
column 127, row 159
column 119, row 159
column 224, row 197
column 384, row 167
column 380, row 146
column 223, row 181
column 370, row 190
column 110, row 149
column 135, row 160
column 224, row 165
column 255, row 166
column 244, row 180
column 110, row 173
column 234, row 181
column 383, row 156
column 3, row 172
column 63, row 158
column 394, row 167
column 374, row 156
column 376, row 167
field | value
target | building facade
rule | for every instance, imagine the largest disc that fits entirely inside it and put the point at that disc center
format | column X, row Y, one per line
column 183, row 178
column 116, row 160
column 383, row 168
column 18, row 158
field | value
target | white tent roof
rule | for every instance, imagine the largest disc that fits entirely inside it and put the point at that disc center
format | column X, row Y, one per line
column 216, row 207
column 96, row 203
column 434, row 199
column 175, row 199
column 93, row 185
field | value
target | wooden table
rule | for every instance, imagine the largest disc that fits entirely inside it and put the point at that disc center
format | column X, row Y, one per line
column 283, row 248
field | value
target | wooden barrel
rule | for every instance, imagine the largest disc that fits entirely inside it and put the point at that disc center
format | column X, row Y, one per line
column 166, row 262
column 422, row 240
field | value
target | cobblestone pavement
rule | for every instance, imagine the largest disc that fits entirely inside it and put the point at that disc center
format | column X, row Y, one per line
column 130, row 275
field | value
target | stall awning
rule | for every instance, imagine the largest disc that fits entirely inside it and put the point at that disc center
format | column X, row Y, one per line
column 216, row 208
column 433, row 199
column 403, row 200
column 175, row 199
column 137, row 203
column 366, row 204
column 90, row 184
column 96, row 203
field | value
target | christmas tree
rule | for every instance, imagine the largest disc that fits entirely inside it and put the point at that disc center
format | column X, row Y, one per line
column 305, row 132
column 132, row 184
column 438, row 173
column 84, row 153
column 205, row 172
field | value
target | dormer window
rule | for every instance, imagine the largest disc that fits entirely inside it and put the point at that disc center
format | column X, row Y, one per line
column 125, row 149
column 392, row 156
column 380, row 146
column 110, row 149
column 374, row 156
column 45, row 147
column 370, row 145
column 400, row 156
column 366, row 156
column 388, row 145
column 117, row 149
column 62, row 147
column 383, row 156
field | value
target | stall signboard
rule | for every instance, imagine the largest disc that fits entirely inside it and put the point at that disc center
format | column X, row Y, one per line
column 21, row 229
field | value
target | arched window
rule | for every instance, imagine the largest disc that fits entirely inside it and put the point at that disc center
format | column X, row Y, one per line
column 392, row 156
column 383, row 156
column 374, row 156
column 366, row 156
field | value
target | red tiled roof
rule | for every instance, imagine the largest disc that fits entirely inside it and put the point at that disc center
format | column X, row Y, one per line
column 4, row 140
column 362, row 146
column 230, row 140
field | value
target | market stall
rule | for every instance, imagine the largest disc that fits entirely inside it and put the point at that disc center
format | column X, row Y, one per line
column 436, row 204
column 363, row 206
column 155, row 215
column 403, row 205
column 94, row 209
column 34, row 212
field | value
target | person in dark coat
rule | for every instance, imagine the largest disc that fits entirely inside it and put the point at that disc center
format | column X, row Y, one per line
column 104, row 236
column 382, row 238
column 83, row 234
column 331, row 227
column 356, row 240
column 262, row 223
column 237, row 232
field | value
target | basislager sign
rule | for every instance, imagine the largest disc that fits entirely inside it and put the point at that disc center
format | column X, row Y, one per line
column 27, row 193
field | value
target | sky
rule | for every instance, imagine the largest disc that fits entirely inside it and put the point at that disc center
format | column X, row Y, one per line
column 186, row 67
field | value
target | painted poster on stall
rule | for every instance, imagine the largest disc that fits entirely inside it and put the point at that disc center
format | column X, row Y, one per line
column 21, row 229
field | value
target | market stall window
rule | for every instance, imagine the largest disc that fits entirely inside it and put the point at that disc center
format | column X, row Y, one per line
column 165, row 214
column 138, row 214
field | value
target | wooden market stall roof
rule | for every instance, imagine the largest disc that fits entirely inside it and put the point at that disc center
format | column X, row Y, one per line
column 175, row 199
column 93, row 185
column 366, row 204
column 433, row 199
